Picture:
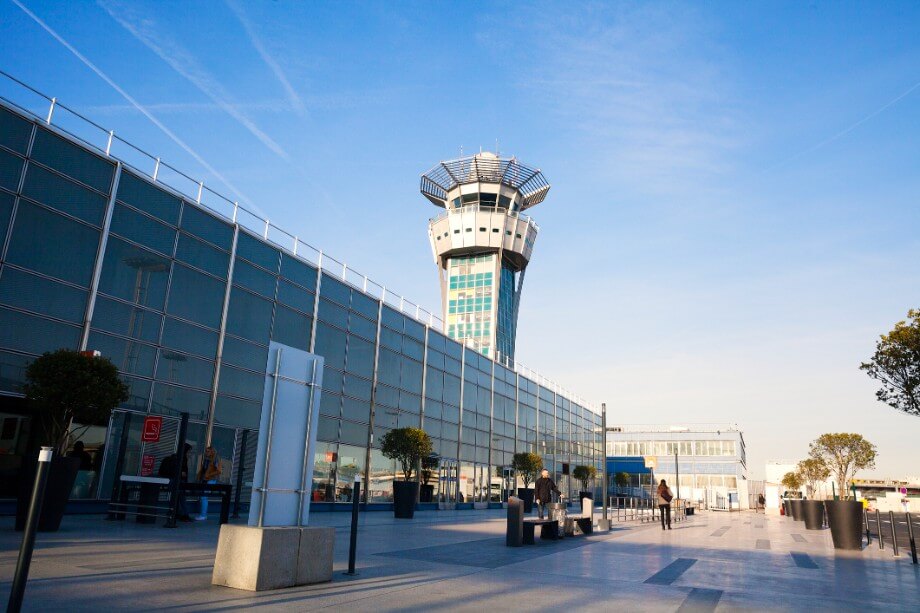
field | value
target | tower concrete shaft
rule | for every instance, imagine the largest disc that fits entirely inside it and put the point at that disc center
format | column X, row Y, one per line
column 482, row 244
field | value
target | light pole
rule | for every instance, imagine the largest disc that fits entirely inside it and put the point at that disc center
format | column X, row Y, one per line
column 604, row 523
column 677, row 473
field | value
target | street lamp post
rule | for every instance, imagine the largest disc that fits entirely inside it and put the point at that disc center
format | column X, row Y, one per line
column 677, row 473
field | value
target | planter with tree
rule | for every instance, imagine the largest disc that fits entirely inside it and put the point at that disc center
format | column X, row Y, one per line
column 407, row 446
column 67, row 392
column 844, row 454
column 622, row 481
column 813, row 471
column 430, row 465
column 584, row 475
column 527, row 466
column 793, row 483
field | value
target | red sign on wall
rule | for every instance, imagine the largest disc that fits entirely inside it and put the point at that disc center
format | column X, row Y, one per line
column 151, row 431
column 147, row 462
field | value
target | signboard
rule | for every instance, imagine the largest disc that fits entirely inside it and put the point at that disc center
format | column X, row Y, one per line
column 147, row 462
column 152, row 427
column 651, row 462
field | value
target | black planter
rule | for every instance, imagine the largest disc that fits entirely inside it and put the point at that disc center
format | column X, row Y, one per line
column 813, row 514
column 405, row 494
column 797, row 513
column 526, row 494
column 586, row 495
column 845, row 518
column 426, row 493
column 60, row 482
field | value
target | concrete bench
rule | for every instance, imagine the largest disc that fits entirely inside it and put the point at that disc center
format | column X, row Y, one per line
column 549, row 529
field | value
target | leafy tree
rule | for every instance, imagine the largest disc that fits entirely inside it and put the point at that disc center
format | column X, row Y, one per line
column 527, row 466
column 896, row 365
column 812, row 471
column 621, row 479
column 844, row 454
column 792, row 481
column 584, row 474
column 66, row 387
column 407, row 446
column 429, row 465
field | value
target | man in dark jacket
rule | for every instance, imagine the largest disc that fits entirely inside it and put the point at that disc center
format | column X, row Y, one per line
column 543, row 491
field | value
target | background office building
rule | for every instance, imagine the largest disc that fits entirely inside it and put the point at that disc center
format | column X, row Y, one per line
column 710, row 459
column 95, row 254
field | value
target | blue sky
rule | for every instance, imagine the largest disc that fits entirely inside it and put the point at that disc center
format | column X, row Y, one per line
column 733, row 217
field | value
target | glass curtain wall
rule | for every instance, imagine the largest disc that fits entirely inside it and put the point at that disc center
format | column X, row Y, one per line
column 185, row 304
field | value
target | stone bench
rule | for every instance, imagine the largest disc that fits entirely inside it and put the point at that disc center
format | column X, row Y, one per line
column 549, row 529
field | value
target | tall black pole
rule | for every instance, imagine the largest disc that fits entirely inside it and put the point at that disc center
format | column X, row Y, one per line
column 28, row 538
column 353, row 544
column 177, row 476
column 677, row 473
column 604, row 456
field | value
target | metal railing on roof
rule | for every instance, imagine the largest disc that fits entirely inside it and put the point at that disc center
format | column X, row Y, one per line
column 106, row 142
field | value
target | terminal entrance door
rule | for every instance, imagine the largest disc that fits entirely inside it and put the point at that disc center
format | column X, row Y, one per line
column 448, row 481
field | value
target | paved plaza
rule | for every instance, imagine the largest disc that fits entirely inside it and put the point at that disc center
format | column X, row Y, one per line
column 457, row 560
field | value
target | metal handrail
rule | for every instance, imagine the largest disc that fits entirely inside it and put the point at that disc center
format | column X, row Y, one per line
column 476, row 208
column 209, row 198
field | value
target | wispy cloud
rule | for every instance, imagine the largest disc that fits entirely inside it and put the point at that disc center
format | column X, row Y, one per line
column 134, row 103
column 846, row 130
column 295, row 100
column 145, row 30
column 640, row 87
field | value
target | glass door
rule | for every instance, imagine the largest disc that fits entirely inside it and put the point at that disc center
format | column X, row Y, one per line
column 447, row 484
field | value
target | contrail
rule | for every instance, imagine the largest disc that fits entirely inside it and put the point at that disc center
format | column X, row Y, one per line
column 185, row 64
column 295, row 99
column 847, row 130
column 133, row 102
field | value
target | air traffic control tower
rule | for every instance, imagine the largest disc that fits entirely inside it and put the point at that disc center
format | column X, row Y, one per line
column 482, row 244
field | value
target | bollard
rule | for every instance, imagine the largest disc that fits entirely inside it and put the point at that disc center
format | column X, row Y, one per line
column 910, row 536
column 353, row 542
column 18, row 590
column 894, row 535
column 514, row 532
column 868, row 533
column 878, row 527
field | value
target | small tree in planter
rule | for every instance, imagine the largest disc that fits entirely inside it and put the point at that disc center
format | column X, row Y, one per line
column 62, row 388
column 811, row 472
column 527, row 466
column 429, row 465
column 407, row 446
column 584, row 474
column 792, row 481
column 845, row 454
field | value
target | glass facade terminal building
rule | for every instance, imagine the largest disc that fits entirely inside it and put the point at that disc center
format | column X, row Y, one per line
column 97, row 255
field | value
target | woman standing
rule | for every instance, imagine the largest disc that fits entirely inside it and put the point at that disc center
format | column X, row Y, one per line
column 664, row 503
column 209, row 473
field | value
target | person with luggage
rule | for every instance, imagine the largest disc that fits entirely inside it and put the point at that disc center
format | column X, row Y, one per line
column 208, row 473
column 664, row 503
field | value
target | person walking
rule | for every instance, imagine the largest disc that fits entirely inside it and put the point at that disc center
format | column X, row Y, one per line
column 762, row 502
column 543, row 491
column 208, row 473
column 664, row 503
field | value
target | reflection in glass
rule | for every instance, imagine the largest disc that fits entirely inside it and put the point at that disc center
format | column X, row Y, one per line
column 74, row 244
column 134, row 274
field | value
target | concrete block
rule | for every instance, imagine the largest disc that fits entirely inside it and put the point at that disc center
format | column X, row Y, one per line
column 314, row 561
column 256, row 559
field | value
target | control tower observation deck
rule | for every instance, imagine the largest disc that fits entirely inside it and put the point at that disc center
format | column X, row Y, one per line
column 482, row 244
